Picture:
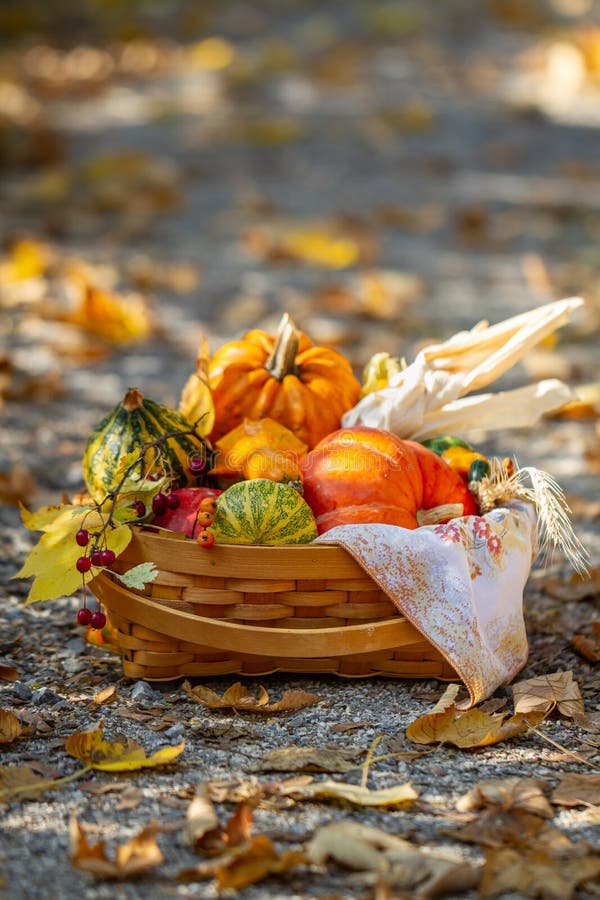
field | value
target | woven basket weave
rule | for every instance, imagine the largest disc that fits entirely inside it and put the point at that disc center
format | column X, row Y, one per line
column 255, row 610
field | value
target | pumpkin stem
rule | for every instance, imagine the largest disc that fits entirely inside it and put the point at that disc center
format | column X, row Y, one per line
column 282, row 360
column 439, row 513
column 132, row 400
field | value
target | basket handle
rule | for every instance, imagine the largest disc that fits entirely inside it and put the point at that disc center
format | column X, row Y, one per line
column 306, row 643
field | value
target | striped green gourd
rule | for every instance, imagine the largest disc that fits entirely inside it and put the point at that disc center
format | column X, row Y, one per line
column 134, row 422
column 261, row 511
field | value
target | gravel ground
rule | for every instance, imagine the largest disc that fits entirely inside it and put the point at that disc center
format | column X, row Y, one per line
column 441, row 140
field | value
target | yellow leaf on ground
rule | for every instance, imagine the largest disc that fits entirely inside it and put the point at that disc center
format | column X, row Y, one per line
column 319, row 244
column 472, row 728
column 27, row 259
column 238, row 697
column 10, row 727
column 256, row 862
column 133, row 858
column 354, row 793
column 106, row 695
column 91, row 748
column 548, row 692
column 112, row 317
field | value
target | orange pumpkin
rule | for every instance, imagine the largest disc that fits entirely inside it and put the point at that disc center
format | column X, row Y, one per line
column 287, row 378
column 362, row 474
column 259, row 449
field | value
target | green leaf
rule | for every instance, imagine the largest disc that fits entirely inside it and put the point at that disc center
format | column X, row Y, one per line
column 138, row 576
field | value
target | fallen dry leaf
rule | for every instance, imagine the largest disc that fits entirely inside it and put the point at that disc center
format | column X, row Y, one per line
column 91, row 748
column 535, row 874
column 319, row 244
column 133, row 858
column 201, row 819
column 308, row 759
column 548, row 692
column 577, row 587
column 353, row 793
column 10, row 727
column 21, row 781
column 587, row 646
column 515, row 828
column 472, row 728
column 17, row 486
column 8, row 672
column 106, row 695
column 526, row 794
column 395, row 861
column 255, row 862
column 577, row 790
column 113, row 318
column 238, row 697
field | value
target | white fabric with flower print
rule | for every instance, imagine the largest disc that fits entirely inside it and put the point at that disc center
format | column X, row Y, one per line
column 461, row 584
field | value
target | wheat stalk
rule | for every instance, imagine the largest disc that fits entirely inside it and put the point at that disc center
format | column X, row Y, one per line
column 553, row 511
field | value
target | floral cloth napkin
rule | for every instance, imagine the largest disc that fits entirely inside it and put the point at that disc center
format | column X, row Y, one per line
column 460, row 584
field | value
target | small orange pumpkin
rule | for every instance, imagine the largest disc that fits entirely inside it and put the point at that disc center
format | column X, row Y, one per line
column 259, row 449
column 359, row 475
column 287, row 378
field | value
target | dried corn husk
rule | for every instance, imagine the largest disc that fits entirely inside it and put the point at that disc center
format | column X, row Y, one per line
column 428, row 397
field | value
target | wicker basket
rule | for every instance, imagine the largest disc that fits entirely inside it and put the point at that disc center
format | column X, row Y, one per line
column 256, row 610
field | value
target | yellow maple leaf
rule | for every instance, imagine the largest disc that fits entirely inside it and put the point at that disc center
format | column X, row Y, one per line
column 27, row 259
column 196, row 403
column 52, row 561
column 91, row 748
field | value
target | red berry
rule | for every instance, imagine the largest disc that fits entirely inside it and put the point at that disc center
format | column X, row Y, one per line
column 98, row 620
column 96, row 558
column 196, row 465
column 108, row 557
column 83, row 564
column 84, row 616
column 205, row 519
column 140, row 508
column 82, row 537
column 208, row 504
column 205, row 538
column 172, row 501
column 159, row 504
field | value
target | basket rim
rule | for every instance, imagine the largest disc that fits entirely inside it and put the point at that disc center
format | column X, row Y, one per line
column 177, row 552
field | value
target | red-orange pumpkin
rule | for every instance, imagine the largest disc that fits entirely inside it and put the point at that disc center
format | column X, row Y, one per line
column 358, row 475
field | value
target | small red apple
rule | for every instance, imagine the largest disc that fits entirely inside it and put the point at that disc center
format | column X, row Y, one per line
column 184, row 518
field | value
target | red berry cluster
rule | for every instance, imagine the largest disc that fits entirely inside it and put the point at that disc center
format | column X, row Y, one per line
column 97, row 557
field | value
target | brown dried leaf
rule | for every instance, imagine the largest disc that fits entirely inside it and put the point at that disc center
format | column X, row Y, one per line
column 201, row 819
column 17, row 486
column 309, row 759
column 526, row 794
column 547, row 692
column 256, row 862
column 7, row 671
column 21, row 781
column 106, row 695
column 577, row 587
column 588, row 647
column 515, row 828
column 577, row 790
column 10, row 727
column 472, row 728
column 535, row 874
column 238, row 697
column 133, row 858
